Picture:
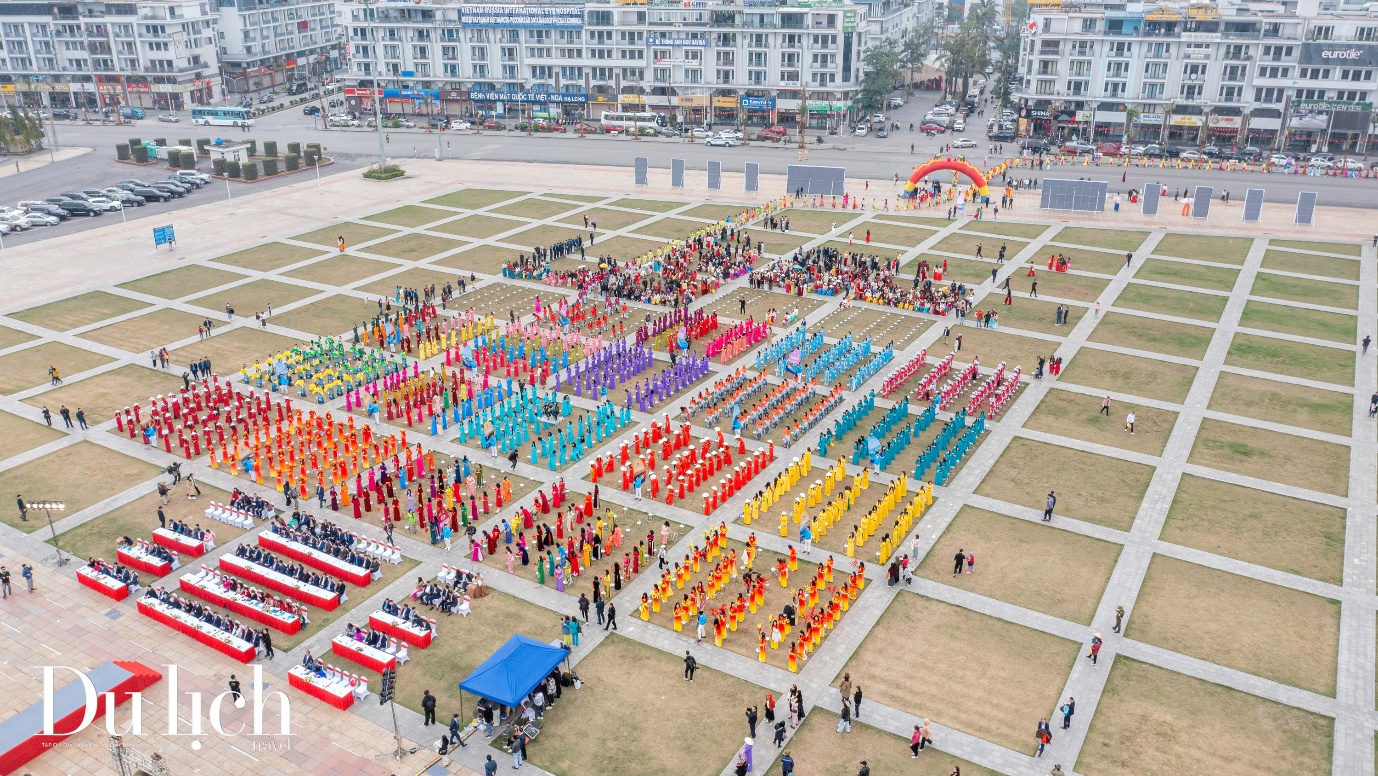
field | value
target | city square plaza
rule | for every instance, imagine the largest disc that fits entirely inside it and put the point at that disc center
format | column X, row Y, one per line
column 1235, row 525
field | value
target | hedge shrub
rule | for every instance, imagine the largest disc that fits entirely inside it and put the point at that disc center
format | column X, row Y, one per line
column 231, row 168
column 140, row 154
column 294, row 148
column 122, row 151
column 203, row 146
column 188, row 160
column 161, row 142
column 270, row 148
column 249, row 171
column 218, row 166
column 253, row 147
column 384, row 173
column 270, row 167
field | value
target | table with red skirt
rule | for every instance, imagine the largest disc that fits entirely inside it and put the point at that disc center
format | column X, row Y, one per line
column 104, row 584
column 145, row 563
column 184, row 623
column 364, row 655
column 401, row 629
column 176, row 542
column 315, row 559
column 281, row 583
column 210, row 590
column 337, row 694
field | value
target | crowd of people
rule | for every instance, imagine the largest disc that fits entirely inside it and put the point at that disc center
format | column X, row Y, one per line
column 259, row 639
column 854, row 275
column 117, row 571
column 299, row 572
column 326, row 537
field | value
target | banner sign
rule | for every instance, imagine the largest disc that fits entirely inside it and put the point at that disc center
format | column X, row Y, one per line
column 563, row 98
column 537, row 16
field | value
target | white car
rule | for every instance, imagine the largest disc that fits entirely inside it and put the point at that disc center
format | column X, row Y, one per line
column 461, row 124
column 103, row 204
column 700, row 133
column 963, row 142
column 168, row 118
column 16, row 221
column 342, row 121
column 121, row 196
column 959, row 126
column 42, row 219
column 193, row 175
column 725, row 142
column 862, row 130
column 730, row 134
column 1353, row 164
column 1281, row 160
column 1320, row 164
column 5, row 228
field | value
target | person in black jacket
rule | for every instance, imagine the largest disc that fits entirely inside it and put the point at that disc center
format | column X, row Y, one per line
column 428, row 705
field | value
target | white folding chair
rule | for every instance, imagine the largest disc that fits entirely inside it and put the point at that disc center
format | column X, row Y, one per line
column 400, row 651
column 434, row 630
column 360, row 687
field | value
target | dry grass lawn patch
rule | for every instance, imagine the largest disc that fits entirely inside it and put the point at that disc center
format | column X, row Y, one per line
column 778, row 243
column 79, row 475
column 1013, row 561
column 1119, row 373
column 817, row 748
column 1152, row 720
column 1282, row 402
column 488, row 259
column 328, row 317
column 894, row 234
column 964, row 244
column 534, row 208
column 183, row 281
column 671, row 228
column 606, row 218
column 473, row 199
column 100, row 537
column 1085, row 259
column 342, row 270
column 816, row 221
column 1185, row 273
column 28, row 368
column 353, row 234
column 153, row 330
column 1166, row 301
column 1284, row 319
column 273, row 256
column 990, row 678
column 103, row 394
column 1004, row 228
column 77, row 311
column 231, row 350
column 479, row 226
column 640, row 702
column 252, row 297
column 1310, row 264
column 1033, row 315
column 621, row 248
column 1140, row 333
column 994, row 346
column 1239, row 622
column 1065, row 285
column 1225, row 250
column 417, row 277
column 1078, row 416
column 648, row 205
column 1318, row 292
column 1270, row 455
column 11, row 337
column 1090, row 487
column 409, row 215
column 18, row 435
column 759, row 303
column 881, row 326
column 1340, row 249
column 1258, row 526
column 1294, row 359
column 715, row 213
column 1123, row 240
column 415, row 246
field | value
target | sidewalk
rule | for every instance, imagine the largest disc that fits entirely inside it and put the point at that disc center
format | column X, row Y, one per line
column 13, row 166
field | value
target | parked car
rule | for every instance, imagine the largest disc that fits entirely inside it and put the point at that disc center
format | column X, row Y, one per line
column 1324, row 156
column 730, row 134
column 700, row 133
column 725, row 142
column 246, row 103
column 106, row 205
column 1213, row 152
column 439, row 122
column 1191, row 156
column 132, row 182
column 774, row 134
column 929, row 126
column 1034, row 146
column 63, row 113
column 79, row 208
column 963, row 142
column 168, row 118
column 192, row 175
column 342, row 121
column 580, row 127
column 544, row 125
column 1108, row 149
column 37, row 218
column 48, row 210
column 1077, row 147
column 959, row 125
column 1281, row 159
column 16, row 221
column 862, row 130
column 151, row 194
column 176, row 192
column 193, row 181
column 265, row 99
column 311, row 110
column 461, row 125
column 1354, row 165
column 1001, row 136
column 120, row 195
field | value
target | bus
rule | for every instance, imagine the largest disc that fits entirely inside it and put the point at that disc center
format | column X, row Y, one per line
column 623, row 120
column 222, row 117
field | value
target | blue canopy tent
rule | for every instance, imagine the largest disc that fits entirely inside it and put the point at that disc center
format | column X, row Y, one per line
column 514, row 670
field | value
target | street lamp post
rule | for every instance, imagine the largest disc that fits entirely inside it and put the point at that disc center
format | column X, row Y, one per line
column 48, row 507
column 377, row 85
column 803, row 121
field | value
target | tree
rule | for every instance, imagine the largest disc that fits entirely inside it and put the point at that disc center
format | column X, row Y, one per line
column 1131, row 117
column 20, row 132
column 882, row 63
column 1007, row 69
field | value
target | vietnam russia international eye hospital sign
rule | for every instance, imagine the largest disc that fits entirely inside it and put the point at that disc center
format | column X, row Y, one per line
column 536, row 16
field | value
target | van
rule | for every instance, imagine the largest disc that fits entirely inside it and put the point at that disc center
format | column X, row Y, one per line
column 297, row 87
column 895, row 102
column 132, row 113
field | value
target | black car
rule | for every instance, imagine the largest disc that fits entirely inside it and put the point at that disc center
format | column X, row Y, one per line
column 185, row 188
column 150, row 194
column 1035, row 146
column 131, row 182
column 78, row 208
column 311, row 110
column 1001, row 137
column 50, row 210
column 438, row 122
column 186, row 181
column 62, row 113
column 75, row 195
column 1213, row 152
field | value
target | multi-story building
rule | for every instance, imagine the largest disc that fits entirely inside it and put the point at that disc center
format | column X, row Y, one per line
column 751, row 61
column 1297, row 74
column 264, row 43
column 92, row 54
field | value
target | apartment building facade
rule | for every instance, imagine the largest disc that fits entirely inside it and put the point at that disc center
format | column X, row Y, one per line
column 157, row 54
column 1290, row 75
column 750, row 61
column 266, row 43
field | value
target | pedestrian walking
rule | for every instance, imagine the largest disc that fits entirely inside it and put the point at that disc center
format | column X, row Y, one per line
column 26, row 571
column 752, row 716
column 1094, row 654
column 428, row 706
column 81, row 418
column 4, row 582
column 584, row 606
column 1048, row 507
column 957, row 561
column 1367, row 341
column 1119, row 618
column 779, row 733
column 844, row 723
column 66, row 416
column 612, row 617
column 48, row 417
column 856, row 703
column 1129, row 422
column 23, row 508
column 235, row 694
column 1105, row 406
column 690, row 665
column 599, row 607
column 267, row 639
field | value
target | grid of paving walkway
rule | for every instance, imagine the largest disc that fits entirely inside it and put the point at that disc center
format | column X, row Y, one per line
column 1235, row 525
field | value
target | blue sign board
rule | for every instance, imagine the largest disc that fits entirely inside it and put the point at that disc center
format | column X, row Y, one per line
column 162, row 235
column 758, row 103
column 411, row 94
column 531, row 16
column 563, row 98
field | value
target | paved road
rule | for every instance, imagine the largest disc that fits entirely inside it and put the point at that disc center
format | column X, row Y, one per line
column 869, row 157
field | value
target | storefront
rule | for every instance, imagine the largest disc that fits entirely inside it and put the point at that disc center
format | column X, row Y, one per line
column 1226, row 131
column 1184, row 129
column 693, row 109
column 726, row 110
column 760, row 111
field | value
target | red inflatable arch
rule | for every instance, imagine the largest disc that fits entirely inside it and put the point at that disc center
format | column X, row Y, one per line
column 965, row 168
